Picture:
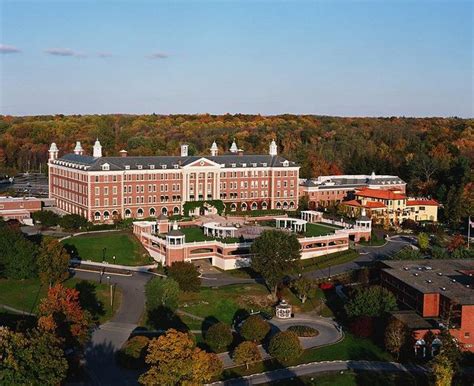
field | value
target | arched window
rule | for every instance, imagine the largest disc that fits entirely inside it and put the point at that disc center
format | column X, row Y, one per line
column 278, row 205
column 152, row 212
column 292, row 204
column 140, row 212
column 243, row 206
column 176, row 210
column 285, row 205
column 164, row 210
column 97, row 216
column 106, row 215
column 233, row 207
column 254, row 206
column 264, row 205
column 128, row 213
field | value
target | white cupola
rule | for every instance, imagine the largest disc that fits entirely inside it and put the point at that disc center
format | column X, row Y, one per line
column 184, row 150
column 234, row 148
column 214, row 149
column 53, row 151
column 273, row 148
column 97, row 152
column 372, row 176
column 78, row 149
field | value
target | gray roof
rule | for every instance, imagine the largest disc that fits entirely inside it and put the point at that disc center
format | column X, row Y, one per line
column 175, row 232
column 451, row 278
column 352, row 182
column 170, row 162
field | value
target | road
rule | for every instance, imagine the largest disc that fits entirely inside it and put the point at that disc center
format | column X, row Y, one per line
column 319, row 367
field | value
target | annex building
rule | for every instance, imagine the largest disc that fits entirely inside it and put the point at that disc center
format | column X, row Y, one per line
column 102, row 188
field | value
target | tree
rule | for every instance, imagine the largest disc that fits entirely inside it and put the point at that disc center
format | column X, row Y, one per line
column 53, row 262
column 219, row 336
column 186, row 275
column 162, row 293
column 395, row 337
column 17, row 254
column 374, row 301
column 302, row 287
column 174, row 359
column 46, row 218
column 275, row 254
column 61, row 314
column 31, row 358
column 456, row 242
column 247, row 353
column 285, row 346
column 407, row 253
column 423, row 241
column 442, row 371
column 254, row 328
column 132, row 354
column 72, row 222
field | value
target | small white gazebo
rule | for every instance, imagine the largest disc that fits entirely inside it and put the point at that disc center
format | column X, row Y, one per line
column 283, row 310
column 294, row 224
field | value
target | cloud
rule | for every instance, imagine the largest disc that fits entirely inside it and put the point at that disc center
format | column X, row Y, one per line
column 5, row 49
column 104, row 54
column 158, row 55
column 64, row 52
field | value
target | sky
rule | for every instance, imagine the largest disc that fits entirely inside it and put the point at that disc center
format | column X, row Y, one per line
column 346, row 58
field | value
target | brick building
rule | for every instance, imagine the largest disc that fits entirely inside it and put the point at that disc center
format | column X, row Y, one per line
column 103, row 188
column 19, row 208
column 441, row 292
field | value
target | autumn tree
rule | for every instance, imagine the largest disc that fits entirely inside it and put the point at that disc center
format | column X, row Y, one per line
column 456, row 242
column 53, row 262
column 275, row 254
column 442, row 370
column 247, row 353
column 254, row 328
column 186, row 275
column 60, row 313
column 31, row 358
column 219, row 336
column 423, row 241
column 395, row 337
column 174, row 359
column 285, row 346
column 302, row 287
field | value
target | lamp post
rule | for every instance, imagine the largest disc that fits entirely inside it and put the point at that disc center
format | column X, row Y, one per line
column 113, row 257
column 103, row 254
column 111, row 291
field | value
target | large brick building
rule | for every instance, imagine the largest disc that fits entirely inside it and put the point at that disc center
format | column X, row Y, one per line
column 103, row 188
column 440, row 292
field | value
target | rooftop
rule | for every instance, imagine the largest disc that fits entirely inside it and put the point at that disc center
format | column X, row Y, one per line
column 451, row 278
column 353, row 181
column 381, row 194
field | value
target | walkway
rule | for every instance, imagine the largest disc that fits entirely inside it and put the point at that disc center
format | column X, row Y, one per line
column 319, row 367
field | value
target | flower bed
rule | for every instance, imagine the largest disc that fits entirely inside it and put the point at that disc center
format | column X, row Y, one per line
column 304, row 331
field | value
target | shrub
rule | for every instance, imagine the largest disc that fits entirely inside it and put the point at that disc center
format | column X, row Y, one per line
column 247, row 353
column 186, row 274
column 219, row 336
column 133, row 352
column 285, row 346
column 47, row 218
column 303, row 331
column 254, row 328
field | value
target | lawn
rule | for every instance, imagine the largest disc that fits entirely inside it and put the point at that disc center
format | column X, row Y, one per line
column 103, row 246
column 330, row 260
column 193, row 234
column 318, row 230
column 26, row 295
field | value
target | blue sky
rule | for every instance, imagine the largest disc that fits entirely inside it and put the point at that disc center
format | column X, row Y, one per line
column 410, row 58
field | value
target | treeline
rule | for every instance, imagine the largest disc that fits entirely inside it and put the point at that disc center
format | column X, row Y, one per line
column 434, row 155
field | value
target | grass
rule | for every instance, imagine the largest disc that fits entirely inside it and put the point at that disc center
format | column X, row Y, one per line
column 318, row 230
column 330, row 260
column 123, row 245
column 25, row 295
column 193, row 234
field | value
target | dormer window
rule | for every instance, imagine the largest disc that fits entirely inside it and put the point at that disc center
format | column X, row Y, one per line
column 233, row 165
column 285, row 163
column 127, row 167
column 244, row 165
column 163, row 166
column 105, row 167
column 264, row 164
column 139, row 167
column 254, row 164
column 152, row 167
column 176, row 166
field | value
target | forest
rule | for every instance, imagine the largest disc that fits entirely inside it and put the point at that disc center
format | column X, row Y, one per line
column 433, row 155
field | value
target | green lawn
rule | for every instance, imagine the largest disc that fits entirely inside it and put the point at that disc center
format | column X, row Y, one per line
column 193, row 234
column 318, row 230
column 26, row 295
column 123, row 245
column 330, row 260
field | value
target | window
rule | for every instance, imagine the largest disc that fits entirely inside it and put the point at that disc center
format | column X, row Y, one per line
column 106, row 215
column 128, row 213
column 97, row 216
column 140, row 212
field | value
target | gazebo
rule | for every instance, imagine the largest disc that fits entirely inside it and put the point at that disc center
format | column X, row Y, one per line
column 283, row 310
column 217, row 230
column 294, row 224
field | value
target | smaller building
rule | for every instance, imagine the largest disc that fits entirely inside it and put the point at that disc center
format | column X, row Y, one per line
column 441, row 292
column 19, row 208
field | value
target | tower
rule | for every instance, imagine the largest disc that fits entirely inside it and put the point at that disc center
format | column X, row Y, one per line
column 97, row 152
column 78, row 149
column 214, row 149
column 234, row 148
column 53, row 152
column 184, row 150
column 273, row 148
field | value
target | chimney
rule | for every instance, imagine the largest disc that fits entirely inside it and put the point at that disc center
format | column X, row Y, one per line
column 273, row 148
column 53, row 152
column 214, row 149
column 97, row 150
column 184, row 150
column 123, row 153
column 78, row 149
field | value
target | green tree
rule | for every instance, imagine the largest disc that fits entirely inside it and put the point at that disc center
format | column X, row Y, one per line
column 423, row 241
column 407, row 253
column 72, row 222
column 186, row 275
column 34, row 358
column 302, row 287
column 219, row 336
column 275, row 254
column 174, row 360
column 285, row 346
column 161, row 293
column 133, row 352
column 46, row 218
column 53, row 262
column 254, row 328
column 374, row 301
column 17, row 254
column 442, row 371
column 247, row 353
